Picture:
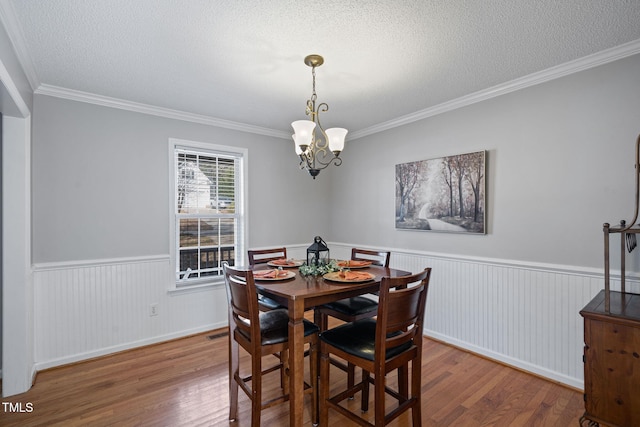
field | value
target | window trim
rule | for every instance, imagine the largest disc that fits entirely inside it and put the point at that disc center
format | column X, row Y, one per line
column 240, row 206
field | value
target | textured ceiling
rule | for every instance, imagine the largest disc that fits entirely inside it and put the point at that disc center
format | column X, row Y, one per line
column 242, row 61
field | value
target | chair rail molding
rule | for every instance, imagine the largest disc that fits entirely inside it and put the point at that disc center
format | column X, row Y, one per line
column 519, row 313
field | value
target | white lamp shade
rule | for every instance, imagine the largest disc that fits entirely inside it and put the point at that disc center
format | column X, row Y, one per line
column 336, row 138
column 303, row 131
column 295, row 144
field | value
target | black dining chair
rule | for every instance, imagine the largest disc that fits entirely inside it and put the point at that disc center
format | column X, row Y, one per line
column 261, row 334
column 262, row 256
column 355, row 308
column 391, row 341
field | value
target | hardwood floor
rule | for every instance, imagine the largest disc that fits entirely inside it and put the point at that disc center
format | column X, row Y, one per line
column 184, row 383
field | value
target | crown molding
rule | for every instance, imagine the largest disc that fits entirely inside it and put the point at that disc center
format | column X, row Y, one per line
column 14, row 105
column 14, row 32
column 76, row 95
column 543, row 76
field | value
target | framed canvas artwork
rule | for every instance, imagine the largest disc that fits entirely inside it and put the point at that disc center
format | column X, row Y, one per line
column 446, row 194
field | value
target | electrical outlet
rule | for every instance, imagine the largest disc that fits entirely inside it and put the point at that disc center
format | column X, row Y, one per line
column 153, row 309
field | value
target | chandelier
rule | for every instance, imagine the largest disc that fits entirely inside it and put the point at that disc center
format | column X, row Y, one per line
column 316, row 152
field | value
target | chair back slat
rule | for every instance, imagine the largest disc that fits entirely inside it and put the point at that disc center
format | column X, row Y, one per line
column 242, row 299
column 377, row 257
column 401, row 310
column 260, row 256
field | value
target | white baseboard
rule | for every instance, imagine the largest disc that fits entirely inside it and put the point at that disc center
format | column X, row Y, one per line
column 126, row 346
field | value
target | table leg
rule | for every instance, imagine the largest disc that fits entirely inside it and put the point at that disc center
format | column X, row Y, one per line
column 296, row 362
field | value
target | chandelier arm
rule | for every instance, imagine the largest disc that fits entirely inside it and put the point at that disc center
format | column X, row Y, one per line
column 336, row 161
column 310, row 156
column 317, row 162
column 318, row 151
column 322, row 108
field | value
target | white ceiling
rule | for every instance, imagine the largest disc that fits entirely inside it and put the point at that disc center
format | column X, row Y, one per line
column 386, row 62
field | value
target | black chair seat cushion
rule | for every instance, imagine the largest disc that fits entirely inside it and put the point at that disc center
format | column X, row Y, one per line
column 359, row 338
column 268, row 303
column 274, row 327
column 353, row 306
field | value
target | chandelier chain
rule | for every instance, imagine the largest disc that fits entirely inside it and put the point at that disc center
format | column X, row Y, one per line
column 313, row 73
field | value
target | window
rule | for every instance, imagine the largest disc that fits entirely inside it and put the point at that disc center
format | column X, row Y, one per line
column 208, row 210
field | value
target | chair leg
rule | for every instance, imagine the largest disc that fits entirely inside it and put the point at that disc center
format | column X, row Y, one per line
column 403, row 381
column 256, row 389
column 416, row 376
column 364, row 404
column 284, row 371
column 379, row 395
column 351, row 375
column 313, row 372
column 324, row 386
column 321, row 320
column 233, row 385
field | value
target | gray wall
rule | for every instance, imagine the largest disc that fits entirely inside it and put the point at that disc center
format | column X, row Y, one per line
column 100, row 181
column 560, row 164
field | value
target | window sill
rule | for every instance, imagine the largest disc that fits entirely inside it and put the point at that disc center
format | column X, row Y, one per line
column 195, row 287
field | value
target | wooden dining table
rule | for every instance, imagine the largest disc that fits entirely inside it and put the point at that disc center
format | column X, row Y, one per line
column 300, row 293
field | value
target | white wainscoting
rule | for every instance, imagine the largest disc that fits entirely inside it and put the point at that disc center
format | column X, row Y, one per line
column 523, row 314
column 89, row 309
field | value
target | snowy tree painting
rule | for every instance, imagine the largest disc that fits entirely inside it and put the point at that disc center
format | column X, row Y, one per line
column 443, row 194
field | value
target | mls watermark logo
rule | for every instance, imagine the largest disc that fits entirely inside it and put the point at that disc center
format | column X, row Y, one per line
column 17, row 407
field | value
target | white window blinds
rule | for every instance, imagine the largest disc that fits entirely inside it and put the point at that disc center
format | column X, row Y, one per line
column 208, row 216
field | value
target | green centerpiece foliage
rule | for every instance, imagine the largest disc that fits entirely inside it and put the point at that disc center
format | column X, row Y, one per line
column 320, row 269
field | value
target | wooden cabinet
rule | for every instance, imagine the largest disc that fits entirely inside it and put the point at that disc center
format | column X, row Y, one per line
column 612, row 360
column 612, row 336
